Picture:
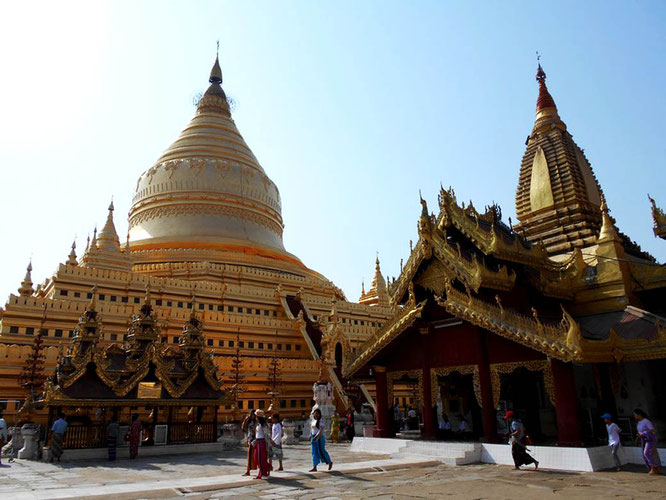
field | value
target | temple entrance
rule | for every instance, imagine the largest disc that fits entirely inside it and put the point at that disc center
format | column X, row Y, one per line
column 523, row 391
column 458, row 414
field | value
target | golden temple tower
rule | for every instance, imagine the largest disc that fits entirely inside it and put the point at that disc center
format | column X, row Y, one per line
column 558, row 198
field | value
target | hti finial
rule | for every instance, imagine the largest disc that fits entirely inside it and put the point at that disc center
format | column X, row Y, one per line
column 216, row 71
column 218, row 48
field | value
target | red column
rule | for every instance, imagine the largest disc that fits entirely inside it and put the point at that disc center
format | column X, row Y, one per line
column 566, row 404
column 429, row 431
column 487, row 410
column 382, row 427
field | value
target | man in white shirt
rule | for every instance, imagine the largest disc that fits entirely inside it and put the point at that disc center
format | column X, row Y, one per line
column 276, row 439
column 613, row 438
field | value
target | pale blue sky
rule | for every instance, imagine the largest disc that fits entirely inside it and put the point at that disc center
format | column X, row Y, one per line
column 350, row 107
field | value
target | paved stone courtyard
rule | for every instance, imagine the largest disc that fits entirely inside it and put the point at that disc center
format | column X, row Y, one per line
column 354, row 476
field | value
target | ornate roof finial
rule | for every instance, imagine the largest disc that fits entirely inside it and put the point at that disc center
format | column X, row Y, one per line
column 146, row 298
column 194, row 306
column 545, row 100
column 26, row 285
column 607, row 231
column 216, row 71
column 659, row 219
column 92, row 305
column 71, row 261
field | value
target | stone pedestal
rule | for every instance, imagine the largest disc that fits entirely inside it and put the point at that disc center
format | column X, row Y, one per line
column 232, row 435
column 30, row 434
column 323, row 397
column 289, row 432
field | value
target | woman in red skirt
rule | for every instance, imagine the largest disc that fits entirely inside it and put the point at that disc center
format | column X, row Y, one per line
column 261, row 446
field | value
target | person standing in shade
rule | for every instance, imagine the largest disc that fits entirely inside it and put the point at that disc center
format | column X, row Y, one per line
column 249, row 428
column 349, row 428
column 613, row 439
column 518, row 442
column 58, row 437
column 261, row 446
column 647, row 436
column 134, row 436
column 112, row 431
column 3, row 434
column 318, row 443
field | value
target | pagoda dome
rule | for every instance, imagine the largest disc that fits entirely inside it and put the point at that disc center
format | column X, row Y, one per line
column 207, row 196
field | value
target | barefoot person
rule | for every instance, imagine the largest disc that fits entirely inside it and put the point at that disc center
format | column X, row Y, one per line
column 276, row 439
column 647, row 435
column 134, row 436
column 249, row 427
column 518, row 442
column 613, row 439
column 261, row 447
column 318, row 443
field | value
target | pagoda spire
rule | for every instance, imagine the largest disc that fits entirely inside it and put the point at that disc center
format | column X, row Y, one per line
column 214, row 99
column 216, row 71
column 26, row 285
column 108, row 237
column 71, row 261
column 558, row 197
column 607, row 231
column 377, row 294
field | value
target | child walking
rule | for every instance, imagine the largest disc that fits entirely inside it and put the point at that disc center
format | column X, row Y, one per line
column 613, row 438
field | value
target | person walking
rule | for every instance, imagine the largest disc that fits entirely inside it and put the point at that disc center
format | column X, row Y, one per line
column 318, row 443
column 518, row 442
column 613, row 439
column 134, row 436
column 647, row 436
column 276, row 439
column 58, row 437
column 261, row 447
column 3, row 435
column 112, row 431
column 249, row 428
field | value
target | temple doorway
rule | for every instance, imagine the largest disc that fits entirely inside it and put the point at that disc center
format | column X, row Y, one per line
column 456, row 402
column 523, row 391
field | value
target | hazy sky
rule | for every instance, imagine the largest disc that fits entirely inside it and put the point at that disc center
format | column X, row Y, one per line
column 350, row 107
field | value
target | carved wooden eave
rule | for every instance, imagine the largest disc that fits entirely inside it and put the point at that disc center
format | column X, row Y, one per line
column 659, row 220
column 385, row 335
column 559, row 340
column 647, row 275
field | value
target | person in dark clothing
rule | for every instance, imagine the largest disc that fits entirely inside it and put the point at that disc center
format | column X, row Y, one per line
column 518, row 442
column 349, row 426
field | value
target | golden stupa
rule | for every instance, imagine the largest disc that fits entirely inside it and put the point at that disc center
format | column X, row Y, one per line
column 205, row 222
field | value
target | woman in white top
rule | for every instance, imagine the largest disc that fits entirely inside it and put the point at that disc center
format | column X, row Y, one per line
column 647, row 435
column 613, row 438
column 318, row 443
column 261, row 446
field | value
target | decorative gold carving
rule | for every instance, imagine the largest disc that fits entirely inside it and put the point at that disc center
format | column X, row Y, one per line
column 534, row 366
column 392, row 377
column 448, row 370
column 391, row 329
column 659, row 219
column 560, row 340
column 219, row 210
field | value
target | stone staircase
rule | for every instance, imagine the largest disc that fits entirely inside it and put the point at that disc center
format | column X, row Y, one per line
column 449, row 453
